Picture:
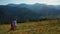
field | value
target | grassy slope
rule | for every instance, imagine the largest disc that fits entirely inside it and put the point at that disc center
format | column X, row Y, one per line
column 43, row 27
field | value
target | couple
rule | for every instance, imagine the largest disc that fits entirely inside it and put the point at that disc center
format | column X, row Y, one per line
column 13, row 24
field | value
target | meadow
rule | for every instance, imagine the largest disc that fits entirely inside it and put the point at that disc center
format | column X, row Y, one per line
column 40, row 27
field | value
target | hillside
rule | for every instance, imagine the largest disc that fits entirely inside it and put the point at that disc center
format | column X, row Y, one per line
column 41, row 27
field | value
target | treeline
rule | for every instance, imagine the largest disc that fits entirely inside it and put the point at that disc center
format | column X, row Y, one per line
column 24, row 21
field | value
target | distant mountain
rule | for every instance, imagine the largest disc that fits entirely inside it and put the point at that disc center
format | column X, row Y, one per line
column 35, row 7
column 25, row 12
column 20, row 13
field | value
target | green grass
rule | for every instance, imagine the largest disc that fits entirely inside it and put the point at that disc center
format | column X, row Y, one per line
column 43, row 27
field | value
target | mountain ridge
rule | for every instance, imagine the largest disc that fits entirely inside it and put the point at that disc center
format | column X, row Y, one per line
column 25, row 12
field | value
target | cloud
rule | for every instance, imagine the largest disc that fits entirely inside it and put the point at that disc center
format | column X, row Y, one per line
column 49, row 2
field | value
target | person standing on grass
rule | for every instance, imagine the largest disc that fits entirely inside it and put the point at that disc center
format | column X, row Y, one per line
column 13, row 24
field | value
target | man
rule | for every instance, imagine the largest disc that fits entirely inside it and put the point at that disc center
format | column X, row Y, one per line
column 15, row 23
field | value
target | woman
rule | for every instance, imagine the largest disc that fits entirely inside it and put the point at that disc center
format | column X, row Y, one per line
column 12, row 26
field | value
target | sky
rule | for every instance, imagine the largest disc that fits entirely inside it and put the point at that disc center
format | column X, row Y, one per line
column 48, row 2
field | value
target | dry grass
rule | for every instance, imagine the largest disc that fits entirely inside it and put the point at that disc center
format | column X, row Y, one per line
column 43, row 27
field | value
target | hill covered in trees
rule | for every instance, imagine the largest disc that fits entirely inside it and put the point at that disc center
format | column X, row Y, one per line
column 28, row 12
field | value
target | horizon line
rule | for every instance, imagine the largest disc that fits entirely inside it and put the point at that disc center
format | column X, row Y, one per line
column 27, row 3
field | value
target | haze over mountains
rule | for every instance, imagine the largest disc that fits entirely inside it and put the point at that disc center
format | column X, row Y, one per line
column 25, row 12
